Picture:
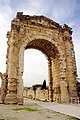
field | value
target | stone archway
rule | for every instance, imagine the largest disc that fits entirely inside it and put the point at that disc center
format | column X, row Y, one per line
column 55, row 42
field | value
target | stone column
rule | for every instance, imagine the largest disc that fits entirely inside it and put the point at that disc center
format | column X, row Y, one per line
column 20, row 87
column 50, row 80
column 63, row 82
column 71, row 66
column 71, row 72
column 56, row 79
column 12, row 69
column 3, row 86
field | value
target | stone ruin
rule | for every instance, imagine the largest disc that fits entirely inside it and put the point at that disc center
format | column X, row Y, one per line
column 53, row 40
column 37, row 94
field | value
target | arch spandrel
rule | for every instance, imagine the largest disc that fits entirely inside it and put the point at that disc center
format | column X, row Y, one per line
column 44, row 34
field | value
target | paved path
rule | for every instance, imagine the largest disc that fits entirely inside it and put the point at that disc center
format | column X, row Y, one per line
column 68, row 109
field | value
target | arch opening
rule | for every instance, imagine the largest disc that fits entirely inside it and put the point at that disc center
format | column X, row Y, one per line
column 45, row 46
column 34, row 75
column 35, row 68
column 52, row 55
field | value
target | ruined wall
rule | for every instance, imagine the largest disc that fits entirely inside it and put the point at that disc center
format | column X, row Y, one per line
column 29, row 93
column 40, row 94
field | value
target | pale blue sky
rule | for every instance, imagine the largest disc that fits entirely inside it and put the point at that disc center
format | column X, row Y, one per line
column 61, row 11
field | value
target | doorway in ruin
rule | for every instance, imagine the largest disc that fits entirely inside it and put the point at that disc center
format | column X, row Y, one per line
column 35, row 72
column 52, row 55
column 35, row 68
column 55, row 42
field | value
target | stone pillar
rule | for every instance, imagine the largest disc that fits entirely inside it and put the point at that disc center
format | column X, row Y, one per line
column 3, row 86
column 56, row 79
column 64, row 92
column 71, row 73
column 20, row 90
column 63, row 82
column 11, row 97
column 20, row 80
column 50, row 80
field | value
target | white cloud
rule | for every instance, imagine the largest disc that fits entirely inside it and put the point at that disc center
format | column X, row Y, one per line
column 5, row 14
column 35, row 67
column 63, row 10
column 36, row 7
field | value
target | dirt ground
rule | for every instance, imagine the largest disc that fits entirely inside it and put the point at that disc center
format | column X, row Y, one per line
column 29, row 111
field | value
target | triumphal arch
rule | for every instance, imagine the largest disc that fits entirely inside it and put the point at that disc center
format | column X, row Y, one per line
column 53, row 40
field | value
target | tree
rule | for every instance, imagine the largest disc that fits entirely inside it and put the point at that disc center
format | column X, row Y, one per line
column 44, row 84
column 34, row 89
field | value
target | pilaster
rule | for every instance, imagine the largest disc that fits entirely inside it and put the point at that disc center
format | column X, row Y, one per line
column 50, row 80
column 11, row 97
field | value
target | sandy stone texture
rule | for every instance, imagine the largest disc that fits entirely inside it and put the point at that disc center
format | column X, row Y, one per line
column 55, row 42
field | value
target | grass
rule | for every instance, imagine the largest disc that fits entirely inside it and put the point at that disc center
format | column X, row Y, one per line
column 34, row 110
column 27, row 109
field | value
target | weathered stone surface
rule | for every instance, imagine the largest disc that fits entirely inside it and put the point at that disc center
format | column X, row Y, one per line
column 38, row 94
column 4, row 84
column 55, row 42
